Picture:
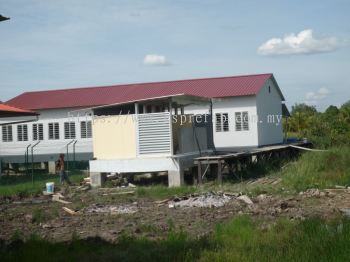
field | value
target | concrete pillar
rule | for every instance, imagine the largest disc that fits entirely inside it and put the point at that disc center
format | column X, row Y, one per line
column 43, row 165
column 52, row 167
column 97, row 179
column 176, row 177
column 219, row 172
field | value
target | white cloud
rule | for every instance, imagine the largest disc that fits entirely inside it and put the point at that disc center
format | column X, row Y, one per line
column 313, row 98
column 155, row 60
column 302, row 43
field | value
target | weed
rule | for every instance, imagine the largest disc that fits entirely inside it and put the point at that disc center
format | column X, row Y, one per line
column 241, row 239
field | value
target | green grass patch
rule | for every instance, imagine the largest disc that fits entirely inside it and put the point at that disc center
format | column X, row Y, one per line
column 318, row 170
column 242, row 239
column 312, row 240
column 21, row 185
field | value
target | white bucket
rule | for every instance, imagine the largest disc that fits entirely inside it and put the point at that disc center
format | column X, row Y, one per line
column 50, row 187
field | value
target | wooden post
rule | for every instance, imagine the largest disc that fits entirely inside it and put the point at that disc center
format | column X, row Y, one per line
column 219, row 172
column 199, row 173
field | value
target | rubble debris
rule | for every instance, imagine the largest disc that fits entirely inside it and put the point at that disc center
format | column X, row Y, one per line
column 265, row 181
column 245, row 199
column 45, row 193
column 46, row 226
column 86, row 183
column 29, row 218
column 162, row 202
column 314, row 192
column 205, row 200
column 59, row 195
column 345, row 211
column 232, row 194
column 84, row 187
column 57, row 198
column 284, row 205
column 340, row 187
column 261, row 197
column 69, row 211
column 112, row 209
column 119, row 193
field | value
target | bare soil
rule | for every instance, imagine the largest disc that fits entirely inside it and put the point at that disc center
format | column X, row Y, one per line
column 150, row 218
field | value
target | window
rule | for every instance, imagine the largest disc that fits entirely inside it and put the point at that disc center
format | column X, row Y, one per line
column 269, row 89
column 242, row 121
column 54, row 131
column 69, row 130
column 7, row 134
column 22, row 133
column 218, row 122
column 222, row 124
column 245, row 121
column 238, row 121
column 85, row 129
column 38, row 132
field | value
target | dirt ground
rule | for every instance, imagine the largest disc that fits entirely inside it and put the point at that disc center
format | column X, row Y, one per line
column 109, row 214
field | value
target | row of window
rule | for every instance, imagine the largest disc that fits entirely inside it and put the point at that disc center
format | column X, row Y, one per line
column 53, row 131
column 241, row 122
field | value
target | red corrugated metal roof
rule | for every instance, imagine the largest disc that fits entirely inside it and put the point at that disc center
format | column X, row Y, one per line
column 95, row 96
column 6, row 111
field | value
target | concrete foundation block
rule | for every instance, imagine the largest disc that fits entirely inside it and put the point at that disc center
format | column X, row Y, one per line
column 97, row 179
column 175, row 178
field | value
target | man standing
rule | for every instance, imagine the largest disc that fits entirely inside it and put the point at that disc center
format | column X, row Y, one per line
column 62, row 172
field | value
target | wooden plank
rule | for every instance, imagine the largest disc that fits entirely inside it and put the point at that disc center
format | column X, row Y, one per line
column 69, row 211
column 119, row 193
column 262, row 152
column 308, row 149
column 57, row 199
column 203, row 162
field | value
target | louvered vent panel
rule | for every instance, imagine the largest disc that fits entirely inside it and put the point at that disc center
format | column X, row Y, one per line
column 154, row 133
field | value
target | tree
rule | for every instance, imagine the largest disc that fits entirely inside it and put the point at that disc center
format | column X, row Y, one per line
column 332, row 111
column 346, row 105
column 303, row 108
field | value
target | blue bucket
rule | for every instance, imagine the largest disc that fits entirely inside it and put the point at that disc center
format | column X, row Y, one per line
column 50, row 187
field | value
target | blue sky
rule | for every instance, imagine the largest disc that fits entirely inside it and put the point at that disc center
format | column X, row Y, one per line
column 62, row 44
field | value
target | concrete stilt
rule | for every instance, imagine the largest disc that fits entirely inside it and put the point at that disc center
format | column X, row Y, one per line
column 175, row 177
column 97, row 179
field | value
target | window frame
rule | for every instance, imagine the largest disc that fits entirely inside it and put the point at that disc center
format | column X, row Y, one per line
column 86, row 129
column 7, row 133
column 241, row 121
column 55, row 134
column 222, row 123
column 22, row 133
column 38, row 131
column 69, row 130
